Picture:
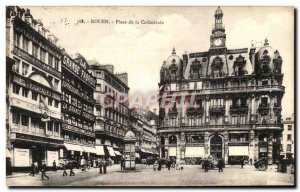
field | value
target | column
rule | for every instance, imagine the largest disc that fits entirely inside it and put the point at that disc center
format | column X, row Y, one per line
column 206, row 143
column 226, row 135
column 53, row 128
column 29, row 123
column 227, row 108
column 178, row 149
column 166, row 146
column 207, row 109
column 251, row 145
column 46, row 127
column 59, row 135
column 272, row 109
column 252, row 108
column 270, row 148
column 256, row 147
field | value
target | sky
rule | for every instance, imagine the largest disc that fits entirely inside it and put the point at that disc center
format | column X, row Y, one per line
column 140, row 49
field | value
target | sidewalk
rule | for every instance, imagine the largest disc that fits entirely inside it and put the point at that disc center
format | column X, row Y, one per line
column 23, row 174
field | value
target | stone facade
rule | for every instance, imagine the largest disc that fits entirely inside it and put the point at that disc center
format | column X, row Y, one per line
column 222, row 102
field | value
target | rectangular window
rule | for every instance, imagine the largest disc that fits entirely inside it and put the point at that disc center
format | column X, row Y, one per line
column 16, row 65
column 50, row 101
column 24, row 92
column 16, row 118
column 35, row 49
column 34, row 96
column 24, row 120
column 289, row 147
column 16, row 89
column 56, row 103
column 290, row 127
column 17, row 39
column 50, row 59
column 98, row 87
column 24, row 68
column 56, row 82
column 264, row 82
column 289, row 137
column 56, row 64
column 25, row 44
column 42, row 55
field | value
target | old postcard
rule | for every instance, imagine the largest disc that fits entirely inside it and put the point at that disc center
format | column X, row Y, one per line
column 149, row 96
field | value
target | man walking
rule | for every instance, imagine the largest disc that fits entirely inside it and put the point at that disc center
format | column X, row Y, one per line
column 54, row 166
column 43, row 170
column 168, row 164
column 122, row 164
column 206, row 165
column 251, row 162
column 32, row 169
column 71, row 168
column 220, row 165
column 104, row 166
column 100, row 166
column 159, row 165
column 64, row 164
column 242, row 163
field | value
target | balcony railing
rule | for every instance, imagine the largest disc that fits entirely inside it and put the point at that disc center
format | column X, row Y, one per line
column 238, row 108
column 40, row 133
column 193, row 110
column 217, row 109
column 263, row 107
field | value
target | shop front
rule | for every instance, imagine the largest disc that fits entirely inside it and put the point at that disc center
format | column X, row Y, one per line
column 194, row 155
column 238, row 153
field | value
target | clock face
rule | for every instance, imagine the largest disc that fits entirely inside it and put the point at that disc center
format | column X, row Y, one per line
column 217, row 42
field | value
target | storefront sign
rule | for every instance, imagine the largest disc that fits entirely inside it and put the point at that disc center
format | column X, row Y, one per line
column 52, row 156
column 263, row 149
column 21, row 157
column 79, row 70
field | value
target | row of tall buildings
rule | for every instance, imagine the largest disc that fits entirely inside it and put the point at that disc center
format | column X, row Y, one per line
column 236, row 94
column 54, row 101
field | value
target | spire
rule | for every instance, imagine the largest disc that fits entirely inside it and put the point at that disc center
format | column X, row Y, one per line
column 173, row 51
column 266, row 42
column 219, row 11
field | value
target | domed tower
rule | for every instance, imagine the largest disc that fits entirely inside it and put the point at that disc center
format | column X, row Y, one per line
column 171, row 68
column 268, row 62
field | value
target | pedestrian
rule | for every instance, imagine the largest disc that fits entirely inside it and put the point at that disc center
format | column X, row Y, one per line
column 242, row 163
column 54, row 166
column 82, row 164
column 64, row 165
column 220, row 165
column 100, row 166
column 105, row 163
column 155, row 165
column 36, row 167
column 251, row 162
column 71, row 166
column 168, row 164
column 206, row 165
column 159, row 165
column 32, row 168
column 43, row 170
column 122, row 164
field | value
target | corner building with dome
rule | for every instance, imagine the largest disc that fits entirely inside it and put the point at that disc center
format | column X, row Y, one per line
column 237, row 102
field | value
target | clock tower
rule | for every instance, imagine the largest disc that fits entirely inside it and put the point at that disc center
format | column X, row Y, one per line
column 218, row 36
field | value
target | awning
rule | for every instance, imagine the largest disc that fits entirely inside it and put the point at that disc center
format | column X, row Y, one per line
column 100, row 150
column 71, row 147
column 172, row 151
column 194, row 152
column 111, row 151
column 238, row 150
column 117, row 153
column 89, row 149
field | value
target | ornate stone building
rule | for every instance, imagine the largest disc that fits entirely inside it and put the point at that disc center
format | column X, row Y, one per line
column 112, row 115
column 33, row 91
column 236, row 102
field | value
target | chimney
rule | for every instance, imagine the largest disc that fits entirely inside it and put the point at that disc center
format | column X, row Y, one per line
column 109, row 67
column 123, row 77
column 28, row 17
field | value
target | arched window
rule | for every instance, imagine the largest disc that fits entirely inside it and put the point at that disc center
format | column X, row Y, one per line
column 172, row 139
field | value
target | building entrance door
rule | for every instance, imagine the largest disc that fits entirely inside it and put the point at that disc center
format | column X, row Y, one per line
column 216, row 146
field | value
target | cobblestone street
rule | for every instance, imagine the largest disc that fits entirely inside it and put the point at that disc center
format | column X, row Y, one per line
column 145, row 176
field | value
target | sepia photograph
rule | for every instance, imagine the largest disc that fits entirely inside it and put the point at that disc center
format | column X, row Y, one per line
column 150, row 96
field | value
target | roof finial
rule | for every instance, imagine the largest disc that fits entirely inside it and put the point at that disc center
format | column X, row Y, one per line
column 252, row 44
column 266, row 42
column 173, row 51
